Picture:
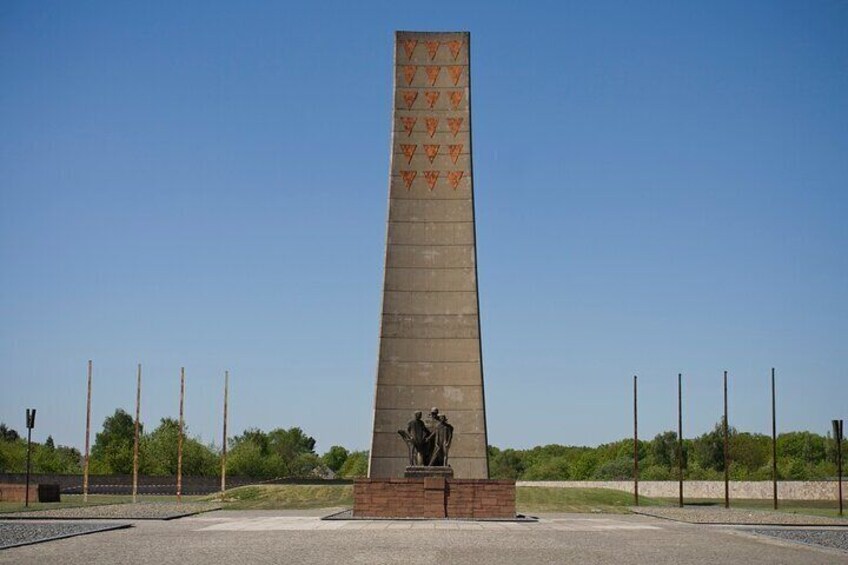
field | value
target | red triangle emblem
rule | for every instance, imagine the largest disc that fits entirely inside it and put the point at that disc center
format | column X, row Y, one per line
column 408, row 124
column 455, row 98
column 408, row 177
column 432, row 177
column 432, row 97
column 409, row 47
column 432, row 151
column 455, row 151
column 408, row 151
column 409, row 73
column 454, row 177
column 432, row 48
column 409, row 97
column 455, row 73
column 454, row 47
column 454, row 124
column 432, row 124
column 433, row 74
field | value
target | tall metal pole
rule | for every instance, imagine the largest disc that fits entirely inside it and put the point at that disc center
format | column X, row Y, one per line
column 224, row 450
column 726, row 450
column 773, row 441
column 135, row 438
column 29, row 420
column 180, row 439
column 87, row 437
column 635, row 444
column 680, row 438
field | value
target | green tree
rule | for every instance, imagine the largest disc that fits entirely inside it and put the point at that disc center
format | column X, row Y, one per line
column 8, row 434
column 618, row 469
column 335, row 458
column 12, row 455
column 555, row 468
column 113, row 446
column 61, row 460
column 278, row 453
column 751, row 453
column 583, row 467
column 246, row 459
column 356, row 465
column 709, row 447
column 506, row 464
column 161, row 447
column 663, row 449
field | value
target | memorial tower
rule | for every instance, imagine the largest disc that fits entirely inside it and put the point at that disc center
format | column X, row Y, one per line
column 430, row 354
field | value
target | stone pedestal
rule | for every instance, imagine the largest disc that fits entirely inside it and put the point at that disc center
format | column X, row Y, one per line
column 434, row 497
column 421, row 472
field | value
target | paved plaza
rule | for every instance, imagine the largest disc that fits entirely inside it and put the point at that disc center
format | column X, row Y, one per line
column 302, row 537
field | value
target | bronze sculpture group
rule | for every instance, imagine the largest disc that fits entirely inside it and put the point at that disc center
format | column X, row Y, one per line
column 428, row 446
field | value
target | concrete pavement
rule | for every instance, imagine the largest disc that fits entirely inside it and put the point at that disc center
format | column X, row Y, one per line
column 301, row 537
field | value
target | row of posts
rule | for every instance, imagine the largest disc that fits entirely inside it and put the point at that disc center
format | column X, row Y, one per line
column 837, row 436
column 180, row 437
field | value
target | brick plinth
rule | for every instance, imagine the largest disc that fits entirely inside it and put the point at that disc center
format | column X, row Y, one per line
column 433, row 497
column 17, row 493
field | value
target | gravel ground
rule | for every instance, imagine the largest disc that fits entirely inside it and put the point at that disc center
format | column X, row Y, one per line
column 737, row 516
column 25, row 533
column 140, row 511
column 834, row 539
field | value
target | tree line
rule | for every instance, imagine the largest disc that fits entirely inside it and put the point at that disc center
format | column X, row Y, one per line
column 255, row 454
column 800, row 456
column 281, row 453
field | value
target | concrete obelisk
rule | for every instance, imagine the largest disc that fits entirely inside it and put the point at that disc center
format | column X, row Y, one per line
column 430, row 353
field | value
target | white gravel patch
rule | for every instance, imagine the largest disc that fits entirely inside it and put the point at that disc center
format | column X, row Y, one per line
column 737, row 516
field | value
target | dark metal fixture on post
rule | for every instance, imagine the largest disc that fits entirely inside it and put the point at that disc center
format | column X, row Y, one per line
column 30, row 424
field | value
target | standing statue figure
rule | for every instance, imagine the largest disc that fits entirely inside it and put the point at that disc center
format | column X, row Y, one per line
column 416, row 436
column 442, row 436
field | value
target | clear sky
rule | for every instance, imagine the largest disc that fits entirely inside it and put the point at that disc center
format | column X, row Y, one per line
column 661, row 188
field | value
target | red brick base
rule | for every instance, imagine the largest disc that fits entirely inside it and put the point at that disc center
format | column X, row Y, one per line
column 433, row 498
column 17, row 493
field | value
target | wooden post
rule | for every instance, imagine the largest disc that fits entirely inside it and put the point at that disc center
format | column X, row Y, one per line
column 726, row 450
column 635, row 444
column 773, row 441
column 87, row 437
column 135, row 438
column 180, row 439
column 224, row 449
column 680, row 438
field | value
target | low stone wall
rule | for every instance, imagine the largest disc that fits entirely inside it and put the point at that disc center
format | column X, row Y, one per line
column 122, row 484
column 433, row 497
column 786, row 490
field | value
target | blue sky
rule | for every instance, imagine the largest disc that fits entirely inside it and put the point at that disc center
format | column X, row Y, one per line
column 660, row 188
